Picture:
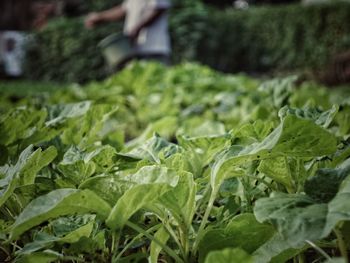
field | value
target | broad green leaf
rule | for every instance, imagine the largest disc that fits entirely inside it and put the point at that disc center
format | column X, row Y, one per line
column 133, row 200
column 152, row 150
column 83, row 231
column 205, row 147
column 42, row 135
column 322, row 118
column 229, row 255
column 162, row 236
column 58, row 203
column 276, row 250
column 62, row 226
column 103, row 157
column 180, row 201
column 294, row 137
column 207, row 129
column 153, row 175
column 7, row 186
column 92, row 245
column 87, row 131
column 24, row 172
column 279, row 170
column 341, row 155
column 253, row 132
column 78, row 165
column 59, row 114
column 20, row 123
column 311, row 94
column 243, row 231
column 303, row 138
column 42, row 240
column 280, row 88
column 165, row 127
column 23, row 195
column 187, row 161
column 325, row 184
column 306, row 220
column 109, row 187
column 339, row 207
column 34, row 163
column 250, row 233
column 46, row 256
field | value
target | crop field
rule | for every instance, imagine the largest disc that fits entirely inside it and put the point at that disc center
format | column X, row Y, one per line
column 180, row 164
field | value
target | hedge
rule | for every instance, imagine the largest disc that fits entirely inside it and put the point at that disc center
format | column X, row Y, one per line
column 259, row 39
column 276, row 37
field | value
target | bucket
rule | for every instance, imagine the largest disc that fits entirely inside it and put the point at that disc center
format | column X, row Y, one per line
column 116, row 49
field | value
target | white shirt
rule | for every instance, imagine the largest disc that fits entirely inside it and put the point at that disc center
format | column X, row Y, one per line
column 13, row 59
column 153, row 39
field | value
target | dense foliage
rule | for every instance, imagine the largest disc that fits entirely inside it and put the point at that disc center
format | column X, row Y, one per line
column 175, row 165
column 257, row 39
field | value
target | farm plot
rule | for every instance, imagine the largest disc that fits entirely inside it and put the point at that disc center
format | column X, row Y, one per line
column 178, row 164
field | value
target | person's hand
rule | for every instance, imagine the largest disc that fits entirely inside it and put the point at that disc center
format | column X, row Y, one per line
column 91, row 20
column 133, row 35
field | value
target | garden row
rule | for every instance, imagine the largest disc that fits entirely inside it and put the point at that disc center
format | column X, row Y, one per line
column 178, row 164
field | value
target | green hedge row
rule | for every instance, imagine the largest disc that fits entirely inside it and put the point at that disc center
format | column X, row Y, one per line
column 276, row 37
column 66, row 52
column 259, row 39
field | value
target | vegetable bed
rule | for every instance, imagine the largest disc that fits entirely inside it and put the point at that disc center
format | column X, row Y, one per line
column 178, row 164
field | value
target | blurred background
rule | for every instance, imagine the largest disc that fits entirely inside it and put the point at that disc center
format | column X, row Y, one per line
column 47, row 41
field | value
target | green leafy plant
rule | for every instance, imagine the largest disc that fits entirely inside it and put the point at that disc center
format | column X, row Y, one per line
column 249, row 171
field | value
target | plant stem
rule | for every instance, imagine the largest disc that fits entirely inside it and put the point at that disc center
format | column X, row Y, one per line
column 164, row 247
column 320, row 250
column 341, row 244
column 205, row 193
column 115, row 242
column 116, row 258
column 301, row 258
column 204, row 220
column 185, row 241
column 173, row 235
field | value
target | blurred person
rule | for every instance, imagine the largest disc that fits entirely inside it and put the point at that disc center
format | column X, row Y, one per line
column 15, row 21
column 13, row 50
column 146, row 24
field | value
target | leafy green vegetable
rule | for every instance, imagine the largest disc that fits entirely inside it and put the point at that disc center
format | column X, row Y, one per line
column 163, row 236
column 338, row 208
column 58, row 203
column 134, row 199
column 79, row 165
column 24, row 172
column 306, row 219
column 152, row 150
column 294, row 137
column 243, row 231
column 180, row 164
column 229, row 255
column 325, row 184
column 18, row 123
column 277, row 250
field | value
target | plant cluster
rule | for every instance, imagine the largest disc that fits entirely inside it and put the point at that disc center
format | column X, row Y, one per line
column 178, row 164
